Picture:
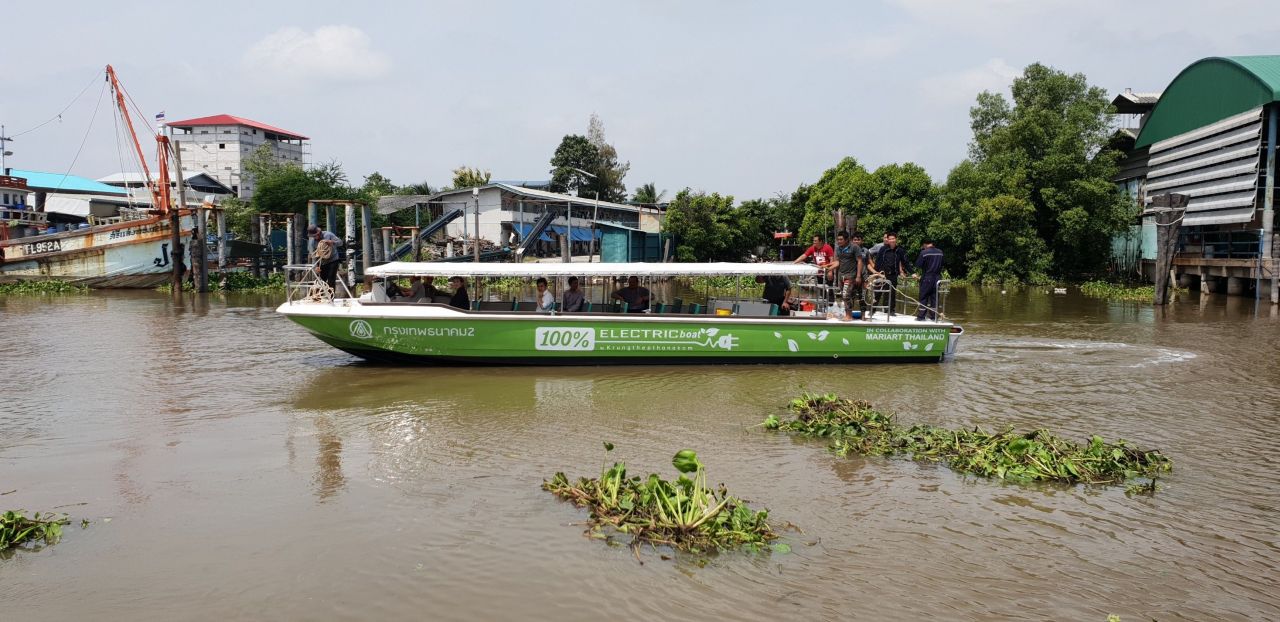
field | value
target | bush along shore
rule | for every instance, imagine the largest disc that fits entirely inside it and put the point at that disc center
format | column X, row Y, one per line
column 16, row 529
column 1114, row 291
column 685, row 514
column 855, row 427
column 237, row 282
column 35, row 288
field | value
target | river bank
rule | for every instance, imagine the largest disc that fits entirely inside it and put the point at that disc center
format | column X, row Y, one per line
column 251, row 471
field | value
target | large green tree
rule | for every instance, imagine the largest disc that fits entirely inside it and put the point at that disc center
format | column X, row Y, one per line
column 1047, row 148
column 593, row 154
column 894, row 197
column 706, row 227
column 648, row 194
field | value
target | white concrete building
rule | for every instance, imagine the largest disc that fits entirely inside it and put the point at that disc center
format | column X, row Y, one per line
column 219, row 145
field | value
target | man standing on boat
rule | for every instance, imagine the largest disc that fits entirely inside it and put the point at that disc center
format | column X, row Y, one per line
column 572, row 298
column 777, row 290
column 328, row 264
column 930, row 264
column 822, row 255
column 848, row 270
column 890, row 263
column 635, row 297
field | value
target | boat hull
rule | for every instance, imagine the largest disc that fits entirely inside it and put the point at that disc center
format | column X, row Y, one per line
column 389, row 334
column 133, row 254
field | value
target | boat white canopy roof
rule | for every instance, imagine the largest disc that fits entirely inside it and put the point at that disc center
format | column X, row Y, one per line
column 447, row 269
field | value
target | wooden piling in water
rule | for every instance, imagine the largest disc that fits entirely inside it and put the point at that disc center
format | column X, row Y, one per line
column 1168, row 209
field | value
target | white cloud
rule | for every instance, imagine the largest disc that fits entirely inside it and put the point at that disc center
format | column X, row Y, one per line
column 328, row 54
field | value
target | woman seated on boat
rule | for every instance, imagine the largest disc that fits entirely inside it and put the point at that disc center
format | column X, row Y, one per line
column 546, row 302
column 636, row 297
column 460, row 298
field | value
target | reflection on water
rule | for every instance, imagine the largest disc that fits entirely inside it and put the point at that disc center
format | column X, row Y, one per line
column 305, row 484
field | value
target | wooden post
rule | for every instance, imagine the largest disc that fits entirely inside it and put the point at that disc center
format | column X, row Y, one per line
column 301, row 240
column 1268, row 205
column 221, row 216
column 1168, row 209
column 366, row 238
column 331, row 217
column 313, row 218
column 387, row 247
column 255, row 236
column 417, row 245
column 349, row 234
column 289, row 245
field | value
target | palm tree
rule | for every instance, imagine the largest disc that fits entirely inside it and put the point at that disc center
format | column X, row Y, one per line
column 648, row 194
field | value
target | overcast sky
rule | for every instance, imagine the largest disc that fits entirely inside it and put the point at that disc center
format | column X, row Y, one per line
column 743, row 98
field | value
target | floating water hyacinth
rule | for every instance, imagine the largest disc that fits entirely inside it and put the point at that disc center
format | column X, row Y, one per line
column 855, row 427
column 685, row 514
column 17, row 529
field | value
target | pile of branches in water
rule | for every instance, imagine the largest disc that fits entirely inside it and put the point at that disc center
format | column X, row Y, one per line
column 31, row 288
column 16, row 529
column 855, row 427
column 685, row 514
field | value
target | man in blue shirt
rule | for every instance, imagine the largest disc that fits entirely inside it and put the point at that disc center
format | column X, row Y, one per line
column 930, row 264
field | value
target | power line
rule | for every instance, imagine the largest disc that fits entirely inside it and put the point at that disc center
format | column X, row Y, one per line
column 58, row 117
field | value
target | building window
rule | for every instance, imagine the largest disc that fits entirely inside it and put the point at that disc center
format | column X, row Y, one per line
column 6, row 199
column 222, row 145
column 204, row 131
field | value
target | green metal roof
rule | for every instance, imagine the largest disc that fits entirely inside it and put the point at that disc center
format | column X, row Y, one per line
column 1210, row 90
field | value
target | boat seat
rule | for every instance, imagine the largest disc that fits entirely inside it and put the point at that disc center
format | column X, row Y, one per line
column 440, row 300
column 695, row 308
column 757, row 309
column 526, row 306
column 490, row 305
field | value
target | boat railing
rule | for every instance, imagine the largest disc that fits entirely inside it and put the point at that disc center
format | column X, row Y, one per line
column 305, row 285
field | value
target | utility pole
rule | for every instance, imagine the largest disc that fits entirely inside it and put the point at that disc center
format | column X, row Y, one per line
column 4, row 151
column 475, row 192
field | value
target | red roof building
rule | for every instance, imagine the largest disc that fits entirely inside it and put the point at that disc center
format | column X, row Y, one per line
column 218, row 145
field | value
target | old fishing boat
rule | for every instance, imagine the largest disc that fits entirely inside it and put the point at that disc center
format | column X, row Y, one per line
column 130, row 249
column 494, row 331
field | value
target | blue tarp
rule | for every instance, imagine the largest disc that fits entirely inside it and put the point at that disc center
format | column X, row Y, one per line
column 579, row 234
column 525, row 229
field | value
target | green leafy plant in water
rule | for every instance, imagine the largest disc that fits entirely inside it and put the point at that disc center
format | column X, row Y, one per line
column 16, row 529
column 36, row 288
column 855, row 427
column 685, row 514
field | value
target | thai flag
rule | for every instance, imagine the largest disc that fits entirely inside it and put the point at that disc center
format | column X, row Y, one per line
column 160, row 117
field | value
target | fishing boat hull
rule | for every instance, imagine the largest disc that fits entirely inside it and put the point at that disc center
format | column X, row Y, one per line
column 438, row 334
column 131, row 254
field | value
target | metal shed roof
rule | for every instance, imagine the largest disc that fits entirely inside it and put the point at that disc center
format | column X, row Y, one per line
column 58, row 182
column 226, row 119
column 1210, row 90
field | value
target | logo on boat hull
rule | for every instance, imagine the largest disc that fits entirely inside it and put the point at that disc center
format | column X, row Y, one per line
column 360, row 329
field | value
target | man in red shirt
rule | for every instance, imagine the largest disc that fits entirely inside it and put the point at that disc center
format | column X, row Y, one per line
column 822, row 254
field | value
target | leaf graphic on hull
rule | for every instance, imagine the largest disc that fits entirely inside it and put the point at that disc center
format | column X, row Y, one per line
column 928, row 347
column 777, row 334
column 845, row 341
column 812, row 336
column 791, row 345
column 822, row 336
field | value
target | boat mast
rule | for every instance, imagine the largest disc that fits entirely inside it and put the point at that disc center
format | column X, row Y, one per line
column 159, row 189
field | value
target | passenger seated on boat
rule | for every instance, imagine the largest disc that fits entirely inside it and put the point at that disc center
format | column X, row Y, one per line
column 424, row 289
column 546, row 301
column 460, row 298
column 392, row 289
column 636, row 297
column 572, row 297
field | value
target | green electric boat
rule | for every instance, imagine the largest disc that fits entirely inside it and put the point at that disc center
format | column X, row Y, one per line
column 493, row 331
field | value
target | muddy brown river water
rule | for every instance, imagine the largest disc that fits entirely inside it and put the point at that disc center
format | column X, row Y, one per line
column 235, row 468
